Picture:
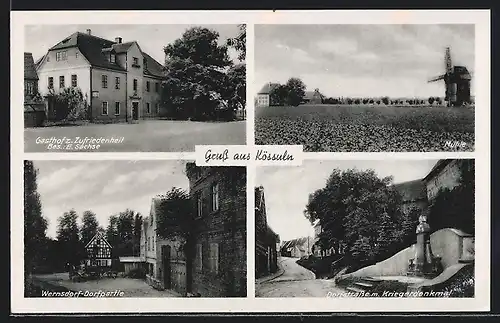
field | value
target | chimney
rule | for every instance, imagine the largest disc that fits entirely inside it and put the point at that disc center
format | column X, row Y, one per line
column 118, row 40
column 89, row 31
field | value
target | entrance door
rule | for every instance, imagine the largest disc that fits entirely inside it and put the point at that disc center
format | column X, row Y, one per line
column 167, row 275
column 135, row 110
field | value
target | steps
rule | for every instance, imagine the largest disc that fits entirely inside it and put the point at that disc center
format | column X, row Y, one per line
column 363, row 285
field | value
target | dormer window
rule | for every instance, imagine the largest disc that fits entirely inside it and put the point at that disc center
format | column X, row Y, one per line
column 112, row 58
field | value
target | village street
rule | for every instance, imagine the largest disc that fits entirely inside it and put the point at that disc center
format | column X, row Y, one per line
column 296, row 281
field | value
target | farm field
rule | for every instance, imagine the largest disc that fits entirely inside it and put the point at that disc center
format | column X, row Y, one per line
column 357, row 128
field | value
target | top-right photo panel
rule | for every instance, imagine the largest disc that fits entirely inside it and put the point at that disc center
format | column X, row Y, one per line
column 365, row 88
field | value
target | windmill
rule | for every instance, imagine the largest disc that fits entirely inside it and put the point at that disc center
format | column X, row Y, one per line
column 457, row 82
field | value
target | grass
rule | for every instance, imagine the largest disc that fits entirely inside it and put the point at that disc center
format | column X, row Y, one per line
column 145, row 136
column 365, row 127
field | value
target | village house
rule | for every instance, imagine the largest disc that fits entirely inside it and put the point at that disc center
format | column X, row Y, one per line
column 297, row 248
column 263, row 96
column 445, row 174
column 118, row 79
column 313, row 97
column 98, row 253
column 34, row 111
column 219, row 196
column 266, row 240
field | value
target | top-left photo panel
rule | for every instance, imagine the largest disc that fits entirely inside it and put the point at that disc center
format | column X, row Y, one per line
column 133, row 88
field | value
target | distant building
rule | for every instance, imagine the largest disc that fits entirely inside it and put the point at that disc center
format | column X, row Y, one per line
column 98, row 253
column 118, row 79
column 266, row 240
column 313, row 97
column 316, row 248
column 297, row 248
column 263, row 96
column 219, row 199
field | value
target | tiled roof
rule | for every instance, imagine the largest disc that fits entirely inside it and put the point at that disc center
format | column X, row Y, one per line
column 29, row 67
column 152, row 67
column 412, row 190
column 267, row 88
column 310, row 94
column 93, row 48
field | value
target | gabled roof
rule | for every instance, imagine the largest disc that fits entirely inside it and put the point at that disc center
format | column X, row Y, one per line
column 268, row 87
column 412, row 190
column 29, row 67
column 152, row 67
column 95, row 50
column 310, row 94
column 98, row 235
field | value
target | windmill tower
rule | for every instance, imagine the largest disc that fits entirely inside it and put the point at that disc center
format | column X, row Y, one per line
column 457, row 82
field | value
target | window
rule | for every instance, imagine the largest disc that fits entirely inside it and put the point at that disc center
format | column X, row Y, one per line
column 105, row 108
column 147, row 86
column 157, row 108
column 76, row 55
column 213, row 257
column 135, row 61
column 157, row 87
column 61, row 56
column 112, row 58
column 199, row 205
column 148, row 108
column 215, row 197
column 51, row 82
column 29, row 88
column 117, row 108
column 199, row 257
column 48, row 58
column 61, row 82
column 117, row 83
column 135, row 84
column 149, row 242
column 153, row 244
column 74, row 82
column 104, row 80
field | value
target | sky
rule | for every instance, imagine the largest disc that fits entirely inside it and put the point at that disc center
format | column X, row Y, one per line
column 151, row 38
column 105, row 187
column 362, row 60
column 287, row 189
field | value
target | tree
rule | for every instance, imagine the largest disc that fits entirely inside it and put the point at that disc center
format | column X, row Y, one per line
column 371, row 101
column 70, row 104
column 439, row 101
column 195, row 74
column 365, row 101
column 357, row 101
column 90, row 226
column 296, row 91
column 68, row 236
column 112, row 231
column 431, row 100
column 385, row 100
column 278, row 95
column 357, row 209
column 239, row 42
column 125, row 229
column 137, row 230
column 35, row 225
column 176, row 221
column 236, row 78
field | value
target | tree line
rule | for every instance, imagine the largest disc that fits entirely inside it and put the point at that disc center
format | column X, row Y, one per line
column 44, row 254
column 362, row 214
column 293, row 91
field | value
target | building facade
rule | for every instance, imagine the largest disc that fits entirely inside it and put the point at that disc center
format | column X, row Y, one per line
column 98, row 253
column 297, row 248
column 445, row 174
column 118, row 80
column 30, row 78
column 413, row 195
column 219, row 230
column 263, row 96
column 266, row 240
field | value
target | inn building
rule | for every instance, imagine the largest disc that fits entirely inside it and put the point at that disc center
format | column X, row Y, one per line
column 118, row 79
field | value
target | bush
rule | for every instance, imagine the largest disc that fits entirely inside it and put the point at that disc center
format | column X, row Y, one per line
column 137, row 273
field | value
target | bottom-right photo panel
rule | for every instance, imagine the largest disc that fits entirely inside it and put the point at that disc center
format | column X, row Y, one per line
column 365, row 228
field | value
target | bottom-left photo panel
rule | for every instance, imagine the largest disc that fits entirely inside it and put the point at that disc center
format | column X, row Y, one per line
column 144, row 228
